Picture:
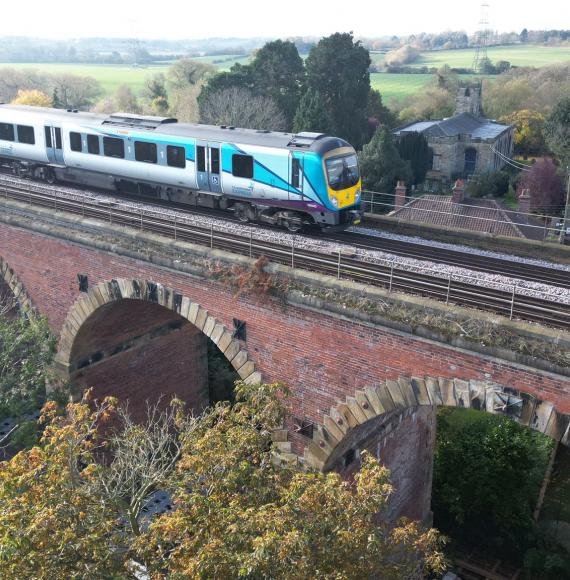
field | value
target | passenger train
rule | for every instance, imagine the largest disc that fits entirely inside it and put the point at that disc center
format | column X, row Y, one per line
column 289, row 180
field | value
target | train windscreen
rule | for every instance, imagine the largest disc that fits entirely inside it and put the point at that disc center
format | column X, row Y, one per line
column 342, row 172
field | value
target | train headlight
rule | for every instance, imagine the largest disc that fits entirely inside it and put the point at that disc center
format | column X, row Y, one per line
column 334, row 201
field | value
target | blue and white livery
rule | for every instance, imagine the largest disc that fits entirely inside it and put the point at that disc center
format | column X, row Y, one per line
column 285, row 179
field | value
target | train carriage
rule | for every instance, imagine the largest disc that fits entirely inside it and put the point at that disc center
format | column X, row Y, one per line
column 291, row 180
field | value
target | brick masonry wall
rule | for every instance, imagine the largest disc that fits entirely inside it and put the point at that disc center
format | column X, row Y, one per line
column 322, row 357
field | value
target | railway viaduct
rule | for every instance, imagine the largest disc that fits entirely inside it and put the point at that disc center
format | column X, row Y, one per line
column 133, row 313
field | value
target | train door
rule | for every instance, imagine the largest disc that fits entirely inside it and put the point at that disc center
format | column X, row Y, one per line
column 54, row 144
column 209, row 166
column 296, row 170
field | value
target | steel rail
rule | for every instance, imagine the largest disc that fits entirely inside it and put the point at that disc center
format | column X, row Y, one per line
column 510, row 302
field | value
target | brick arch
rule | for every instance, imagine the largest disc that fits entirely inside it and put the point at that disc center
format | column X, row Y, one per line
column 122, row 289
column 10, row 278
column 393, row 397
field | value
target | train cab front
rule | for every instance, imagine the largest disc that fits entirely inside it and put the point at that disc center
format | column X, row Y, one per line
column 344, row 187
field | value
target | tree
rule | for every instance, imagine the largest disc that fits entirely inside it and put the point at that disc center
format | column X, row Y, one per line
column 403, row 55
column 435, row 102
column 239, row 515
column 240, row 108
column 557, row 131
column 312, row 114
column 529, row 138
column 50, row 526
column 32, row 97
column 26, row 352
column 414, row 148
column 185, row 73
column 155, row 94
column 546, row 186
column 337, row 68
column 487, row 474
column 123, row 100
column 277, row 72
column 381, row 164
column 524, row 35
column 75, row 92
column 55, row 100
column 490, row 183
column 379, row 115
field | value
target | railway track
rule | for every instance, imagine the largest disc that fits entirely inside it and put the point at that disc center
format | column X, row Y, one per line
column 508, row 302
column 490, row 265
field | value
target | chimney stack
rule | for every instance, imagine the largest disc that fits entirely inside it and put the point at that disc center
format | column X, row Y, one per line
column 524, row 201
column 458, row 192
column 400, row 200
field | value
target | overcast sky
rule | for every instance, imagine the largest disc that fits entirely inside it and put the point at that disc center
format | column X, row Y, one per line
column 266, row 18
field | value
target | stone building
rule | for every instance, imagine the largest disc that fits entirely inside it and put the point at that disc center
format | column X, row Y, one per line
column 464, row 144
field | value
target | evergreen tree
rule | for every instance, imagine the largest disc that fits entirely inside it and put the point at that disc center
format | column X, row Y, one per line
column 337, row 67
column 278, row 73
column 557, row 131
column 413, row 147
column 381, row 164
column 312, row 114
column 56, row 101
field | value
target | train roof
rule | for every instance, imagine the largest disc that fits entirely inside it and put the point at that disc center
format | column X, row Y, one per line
column 317, row 142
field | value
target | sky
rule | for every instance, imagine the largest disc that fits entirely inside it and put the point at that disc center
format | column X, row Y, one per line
column 263, row 18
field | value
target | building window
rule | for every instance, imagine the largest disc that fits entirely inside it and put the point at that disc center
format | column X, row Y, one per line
column 6, row 132
column 242, row 166
column 93, row 144
column 145, row 152
column 75, row 142
column 470, row 160
column 113, row 147
column 436, row 162
column 175, row 156
column 26, row 134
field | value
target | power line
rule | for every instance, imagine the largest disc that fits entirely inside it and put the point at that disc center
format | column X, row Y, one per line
column 509, row 161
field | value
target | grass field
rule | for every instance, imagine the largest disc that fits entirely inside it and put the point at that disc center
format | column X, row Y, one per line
column 392, row 86
column 398, row 86
column 519, row 55
column 110, row 76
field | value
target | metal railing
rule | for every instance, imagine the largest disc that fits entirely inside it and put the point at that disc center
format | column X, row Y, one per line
column 383, row 203
column 511, row 300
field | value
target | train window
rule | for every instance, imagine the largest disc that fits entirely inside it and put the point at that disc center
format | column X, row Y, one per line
column 145, row 152
column 93, row 144
column 215, row 160
column 242, row 166
column 175, row 156
column 201, row 158
column 113, row 147
column 296, row 172
column 57, row 137
column 75, row 141
column 47, row 131
column 7, row 132
column 26, row 134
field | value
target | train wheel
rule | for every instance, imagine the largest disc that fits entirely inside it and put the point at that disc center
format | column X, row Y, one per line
column 293, row 227
column 49, row 175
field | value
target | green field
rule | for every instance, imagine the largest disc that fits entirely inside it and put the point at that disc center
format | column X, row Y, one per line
column 523, row 55
column 392, row 86
column 110, row 76
column 398, row 86
column 519, row 55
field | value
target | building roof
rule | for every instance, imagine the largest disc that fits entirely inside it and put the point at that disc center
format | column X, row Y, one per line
column 478, row 215
column 462, row 124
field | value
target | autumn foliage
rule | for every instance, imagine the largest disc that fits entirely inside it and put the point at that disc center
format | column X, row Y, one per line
column 236, row 515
